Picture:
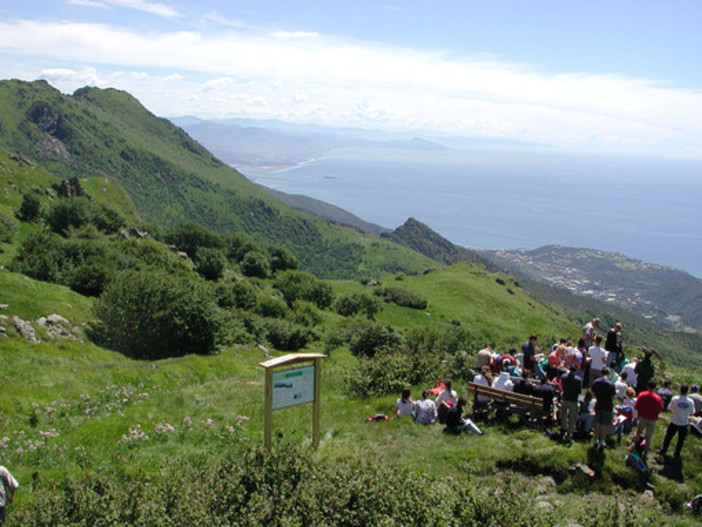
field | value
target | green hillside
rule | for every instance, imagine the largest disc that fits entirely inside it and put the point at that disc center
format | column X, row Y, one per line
column 170, row 178
column 132, row 392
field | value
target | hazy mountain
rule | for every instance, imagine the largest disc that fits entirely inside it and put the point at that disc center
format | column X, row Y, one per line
column 266, row 145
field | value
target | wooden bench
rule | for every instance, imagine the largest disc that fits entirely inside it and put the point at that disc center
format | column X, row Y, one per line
column 527, row 407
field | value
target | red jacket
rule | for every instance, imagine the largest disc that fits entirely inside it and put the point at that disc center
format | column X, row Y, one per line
column 649, row 405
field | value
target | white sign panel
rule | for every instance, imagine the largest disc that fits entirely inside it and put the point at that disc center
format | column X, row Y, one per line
column 291, row 387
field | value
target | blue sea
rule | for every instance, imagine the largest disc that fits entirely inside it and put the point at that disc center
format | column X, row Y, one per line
column 494, row 198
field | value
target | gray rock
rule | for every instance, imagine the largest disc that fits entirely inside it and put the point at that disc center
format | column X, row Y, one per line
column 25, row 329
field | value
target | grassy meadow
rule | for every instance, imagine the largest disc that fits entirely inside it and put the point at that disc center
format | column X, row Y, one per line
column 73, row 413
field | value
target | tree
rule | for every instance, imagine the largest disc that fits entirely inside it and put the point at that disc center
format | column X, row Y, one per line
column 255, row 264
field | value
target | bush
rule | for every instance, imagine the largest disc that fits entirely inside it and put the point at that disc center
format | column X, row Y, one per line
column 271, row 307
column 282, row 259
column 210, row 263
column 372, row 338
column 153, row 315
column 402, row 297
column 300, row 285
column 30, row 209
column 190, row 237
column 255, row 264
column 281, row 334
column 90, row 279
column 353, row 304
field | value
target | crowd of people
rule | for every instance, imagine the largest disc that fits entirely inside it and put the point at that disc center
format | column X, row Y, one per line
column 590, row 388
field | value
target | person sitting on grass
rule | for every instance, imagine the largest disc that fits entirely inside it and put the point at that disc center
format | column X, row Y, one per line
column 404, row 406
column 425, row 410
column 456, row 423
column 444, row 401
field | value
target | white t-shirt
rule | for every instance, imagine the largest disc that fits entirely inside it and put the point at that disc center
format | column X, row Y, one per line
column 631, row 374
column 452, row 398
column 621, row 387
column 682, row 408
column 503, row 382
column 404, row 409
column 598, row 356
column 425, row 412
column 481, row 379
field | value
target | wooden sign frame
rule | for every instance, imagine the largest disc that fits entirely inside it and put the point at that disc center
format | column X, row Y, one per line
column 275, row 365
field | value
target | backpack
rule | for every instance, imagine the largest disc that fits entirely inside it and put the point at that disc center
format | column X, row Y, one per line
column 638, row 464
column 695, row 505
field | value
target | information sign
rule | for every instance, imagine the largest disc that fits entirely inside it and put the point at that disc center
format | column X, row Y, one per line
column 293, row 387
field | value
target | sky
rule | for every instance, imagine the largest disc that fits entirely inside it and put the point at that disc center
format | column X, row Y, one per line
column 614, row 76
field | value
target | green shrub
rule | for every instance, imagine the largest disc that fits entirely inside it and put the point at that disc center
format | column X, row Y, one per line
column 370, row 338
column 190, row 237
column 255, row 264
column 306, row 313
column 353, row 304
column 154, row 315
column 402, row 297
column 271, row 307
column 210, row 263
column 281, row 334
column 90, row 279
column 282, row 259
column 30, row 209
column 300, row 285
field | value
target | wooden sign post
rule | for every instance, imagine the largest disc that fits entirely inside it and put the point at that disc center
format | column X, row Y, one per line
column 290, row 387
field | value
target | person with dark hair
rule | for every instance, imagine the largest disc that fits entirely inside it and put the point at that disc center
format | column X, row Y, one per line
column 456, row 423
column 682, row 408
column 648, row 406
column 598, row 359
column 523, row 385
column 572, row 385
column 613, row 345
column 404, row 406
column 604, row 391
column 445, row 401
column 529, row 350
column 621, row 385
column 425, row 410
column 644, row 372
column 8, row 486
column 696, row 398
column 545, row 392
column 665, row 394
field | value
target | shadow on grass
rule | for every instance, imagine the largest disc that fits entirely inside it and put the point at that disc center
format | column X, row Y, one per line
column 672, row 468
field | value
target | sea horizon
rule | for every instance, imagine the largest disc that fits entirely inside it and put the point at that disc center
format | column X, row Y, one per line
column 516, row 199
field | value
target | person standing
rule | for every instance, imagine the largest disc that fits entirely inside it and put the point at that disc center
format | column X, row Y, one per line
column 648, row 406
column 7, row 492
column 682, row 408
column 613, row 345
column 644, row 372
column 529, row 350
column 589, row 331
column 598, row 359
column 572, row 385
column 604, row 392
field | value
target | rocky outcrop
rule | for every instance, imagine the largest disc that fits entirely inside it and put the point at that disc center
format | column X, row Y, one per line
column 25, row 329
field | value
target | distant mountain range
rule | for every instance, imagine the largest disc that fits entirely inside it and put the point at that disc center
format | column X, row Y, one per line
column 668, row 296
column 270, row 145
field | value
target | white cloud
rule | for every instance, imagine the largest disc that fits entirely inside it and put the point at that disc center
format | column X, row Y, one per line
column 61, row 77
column 87, row 3
column 261, row 73
column 155, row 8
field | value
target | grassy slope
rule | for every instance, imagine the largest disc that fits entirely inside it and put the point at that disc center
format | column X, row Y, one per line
column 98, row 396
column 171, row 179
